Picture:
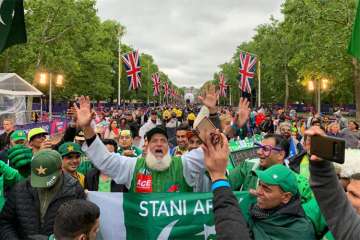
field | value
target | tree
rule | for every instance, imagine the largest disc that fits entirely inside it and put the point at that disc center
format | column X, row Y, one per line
column 67, row 37
column 310, row 43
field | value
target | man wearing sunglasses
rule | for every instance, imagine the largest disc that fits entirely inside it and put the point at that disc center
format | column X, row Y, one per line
column 273, row 149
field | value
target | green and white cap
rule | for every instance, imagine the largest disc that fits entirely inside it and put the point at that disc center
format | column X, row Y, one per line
column 281, row 176
column 45, row 168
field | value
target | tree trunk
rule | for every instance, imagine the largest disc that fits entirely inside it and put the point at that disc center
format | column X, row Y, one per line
column 357, row 88
column 6, row 62
column 286, row 87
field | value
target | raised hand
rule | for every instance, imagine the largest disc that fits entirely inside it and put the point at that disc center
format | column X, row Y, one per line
column 210, row 98
column 47, row 144
column 216, row 157
column 313, row 131
column 83, row 113
column 243, row 112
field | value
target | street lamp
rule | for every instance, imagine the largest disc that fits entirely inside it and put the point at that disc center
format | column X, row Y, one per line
column 59, row 82
column 323, row 84
column 311, row 86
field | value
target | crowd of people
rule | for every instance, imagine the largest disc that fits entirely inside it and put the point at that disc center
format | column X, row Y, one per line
column 292, row 195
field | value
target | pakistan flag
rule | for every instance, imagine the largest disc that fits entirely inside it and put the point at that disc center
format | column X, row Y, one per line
column 158, row 216
column 12, row 24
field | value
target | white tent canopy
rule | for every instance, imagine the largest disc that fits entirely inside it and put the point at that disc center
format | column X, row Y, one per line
column 13, row 84
column 14, row 91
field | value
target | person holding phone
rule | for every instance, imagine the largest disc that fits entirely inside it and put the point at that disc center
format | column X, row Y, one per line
column 340, row 209
column 275, row 214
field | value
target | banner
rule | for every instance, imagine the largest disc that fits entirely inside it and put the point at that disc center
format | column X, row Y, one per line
column 158, row 216
column 54, row 127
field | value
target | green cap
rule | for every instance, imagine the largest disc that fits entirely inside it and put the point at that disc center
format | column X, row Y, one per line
column 45, row 168
column 36, row 131
column 281, row 176
column 69, row 147
column 18, row 135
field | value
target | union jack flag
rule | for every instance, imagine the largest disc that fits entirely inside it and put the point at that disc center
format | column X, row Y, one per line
column 222, row 85
column 247, row 71
column 156, row 83
column 133, row 69
column 166, row 89
column 173, row 92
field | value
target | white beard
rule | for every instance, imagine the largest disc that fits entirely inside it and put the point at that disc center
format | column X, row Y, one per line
column 157, row 164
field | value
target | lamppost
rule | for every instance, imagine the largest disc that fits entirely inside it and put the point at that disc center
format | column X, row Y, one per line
column 59, row 82
column 318, row 85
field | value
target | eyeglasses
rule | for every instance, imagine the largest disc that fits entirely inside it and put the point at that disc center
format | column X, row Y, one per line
column 39, row 136
column 267, row 149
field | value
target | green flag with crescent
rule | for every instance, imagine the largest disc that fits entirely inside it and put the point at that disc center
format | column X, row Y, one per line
column 12, row 23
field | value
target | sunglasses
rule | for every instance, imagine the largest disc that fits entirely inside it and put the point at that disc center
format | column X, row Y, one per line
column 38, row 136
column 267, row 149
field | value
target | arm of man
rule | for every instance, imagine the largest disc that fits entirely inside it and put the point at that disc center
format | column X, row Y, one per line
column 341, row 217
column 119, row 168
column 69, row 136
column 193, row 165
column 229, row 221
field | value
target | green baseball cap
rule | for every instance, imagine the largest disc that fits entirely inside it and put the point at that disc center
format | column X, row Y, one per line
column 69, row 147
column 18, row 135
column 45, row 168
column 36, row 131
column 281, row 176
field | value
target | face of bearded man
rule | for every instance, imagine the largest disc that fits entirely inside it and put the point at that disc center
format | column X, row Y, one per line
column 158, row 157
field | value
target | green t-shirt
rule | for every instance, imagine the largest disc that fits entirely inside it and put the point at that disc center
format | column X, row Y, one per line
column 146, row 180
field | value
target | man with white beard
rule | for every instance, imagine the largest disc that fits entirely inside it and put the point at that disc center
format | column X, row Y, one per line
column 157, row 172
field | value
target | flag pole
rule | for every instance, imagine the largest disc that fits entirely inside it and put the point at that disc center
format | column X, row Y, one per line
column 259, row 79
column 119, row 77
column 230, row 100
column 147, row 87
column 159, row 90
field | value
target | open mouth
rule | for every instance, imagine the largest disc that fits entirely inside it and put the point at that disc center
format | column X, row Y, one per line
column 158, row 151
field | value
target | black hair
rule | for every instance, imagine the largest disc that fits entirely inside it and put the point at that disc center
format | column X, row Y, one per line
column 356, row 124
column 316, row 120
column 110, row 142
column 183, row 127
column 355, row 176
column 280, row 142
column 75, row 217
column 111, row 121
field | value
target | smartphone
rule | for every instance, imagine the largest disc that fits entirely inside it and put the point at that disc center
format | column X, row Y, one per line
column 329, row 148
column 204, row 128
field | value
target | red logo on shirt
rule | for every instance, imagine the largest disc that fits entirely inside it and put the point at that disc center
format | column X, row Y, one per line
column 173, row 188
column 143, row 183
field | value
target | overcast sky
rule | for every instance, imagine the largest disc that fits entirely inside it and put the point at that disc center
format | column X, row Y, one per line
column 189, row 38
